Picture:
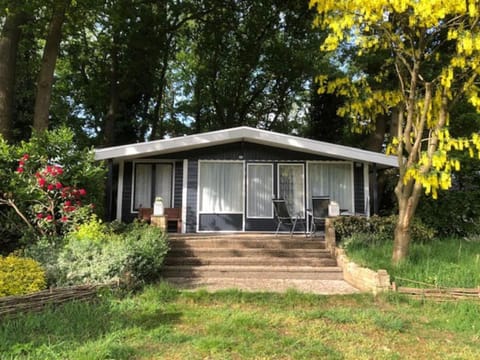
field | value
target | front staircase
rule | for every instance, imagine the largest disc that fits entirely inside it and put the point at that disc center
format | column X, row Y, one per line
column 248, row 258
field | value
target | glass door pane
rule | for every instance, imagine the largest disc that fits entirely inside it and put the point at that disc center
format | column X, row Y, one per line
column 163, row 183
column 143, row 186
column 291, row 187
column 260, row 191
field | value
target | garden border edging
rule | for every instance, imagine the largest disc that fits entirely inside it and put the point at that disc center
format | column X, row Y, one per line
column 362, row 278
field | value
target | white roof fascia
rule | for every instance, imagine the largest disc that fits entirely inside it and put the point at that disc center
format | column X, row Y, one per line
column 258, row 136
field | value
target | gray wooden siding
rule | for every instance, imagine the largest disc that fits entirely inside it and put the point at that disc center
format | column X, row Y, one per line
column 178, row 185
column 359, row 188
column 191, row 220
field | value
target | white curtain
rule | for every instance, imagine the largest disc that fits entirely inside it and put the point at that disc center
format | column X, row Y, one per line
column 334, row 180
column 291, row 187
column 260, row 191
column 163, row 183
column 143, row 186
column 221, row 187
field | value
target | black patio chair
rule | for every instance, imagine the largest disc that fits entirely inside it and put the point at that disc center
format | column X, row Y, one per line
column 319, row 212
column 283, row 216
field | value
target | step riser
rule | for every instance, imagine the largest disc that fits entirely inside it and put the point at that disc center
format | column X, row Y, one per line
column 238, row 244
column 334, row 275
column 239, row 261
column 247, row 252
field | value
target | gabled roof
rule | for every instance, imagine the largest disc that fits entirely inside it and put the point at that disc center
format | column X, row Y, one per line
column 247, row 134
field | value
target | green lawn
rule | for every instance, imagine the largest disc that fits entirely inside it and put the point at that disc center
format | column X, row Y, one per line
column 450, row 262
column 163, row 323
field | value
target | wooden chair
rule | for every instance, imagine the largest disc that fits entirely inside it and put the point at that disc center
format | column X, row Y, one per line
column 145, row 214
column 175, row 214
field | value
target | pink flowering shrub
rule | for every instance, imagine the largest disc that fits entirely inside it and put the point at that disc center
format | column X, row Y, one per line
column 55, row 206
column 47, row 186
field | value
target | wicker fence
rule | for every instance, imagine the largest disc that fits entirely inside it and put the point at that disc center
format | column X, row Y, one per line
column 436, row 293
column 12, row 305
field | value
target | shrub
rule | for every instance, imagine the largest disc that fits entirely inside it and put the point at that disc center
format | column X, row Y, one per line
column 135, row 256
column 46, row 251
column 454, row 213
column 20, row 276
column 48, row 182
column 379, row 229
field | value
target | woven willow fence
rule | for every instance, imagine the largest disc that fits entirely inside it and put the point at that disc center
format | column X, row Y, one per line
column 12, row 305
column 437, row 293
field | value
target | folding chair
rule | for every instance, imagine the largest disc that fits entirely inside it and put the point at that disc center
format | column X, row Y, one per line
column 283, row 216
column 319, row 212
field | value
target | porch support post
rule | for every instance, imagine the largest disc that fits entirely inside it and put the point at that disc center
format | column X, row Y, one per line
column 121, row 167
column 375, row 189
column 184, row 195
column 109, row 192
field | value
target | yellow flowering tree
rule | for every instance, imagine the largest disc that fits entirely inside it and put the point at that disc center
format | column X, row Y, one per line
column 434, row 50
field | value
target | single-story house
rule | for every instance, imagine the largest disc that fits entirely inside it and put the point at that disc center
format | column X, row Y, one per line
column 225, row 180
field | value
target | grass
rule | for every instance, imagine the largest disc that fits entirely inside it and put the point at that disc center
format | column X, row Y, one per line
column 163, row 323
column 451, row 262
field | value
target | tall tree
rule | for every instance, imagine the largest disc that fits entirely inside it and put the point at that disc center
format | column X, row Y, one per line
column 15, row 18
column 49, row 60
column 252, row 63
column 435, row 56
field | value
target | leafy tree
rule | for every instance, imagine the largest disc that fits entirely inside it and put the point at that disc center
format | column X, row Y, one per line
column 434, row 52
column 15, row 19
column 250, row 63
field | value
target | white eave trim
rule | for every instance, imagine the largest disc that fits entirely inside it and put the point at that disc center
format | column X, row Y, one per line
column 248, row 134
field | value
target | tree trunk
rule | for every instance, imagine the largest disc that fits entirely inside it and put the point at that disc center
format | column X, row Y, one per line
column 9, row 41
column 112, row 113
column 49, row 60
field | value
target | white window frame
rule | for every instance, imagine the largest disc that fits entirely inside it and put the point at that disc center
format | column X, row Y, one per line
column 243, row 187
column 153, row 162
column 304, row 213
column 309, row 190
column 272, row 194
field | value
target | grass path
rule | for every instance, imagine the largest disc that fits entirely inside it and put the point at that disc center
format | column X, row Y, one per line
column 163, row 323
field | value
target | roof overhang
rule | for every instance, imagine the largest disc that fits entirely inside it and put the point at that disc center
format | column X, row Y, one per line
column 247, row 134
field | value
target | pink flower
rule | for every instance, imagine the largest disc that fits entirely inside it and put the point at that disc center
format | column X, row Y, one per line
column 39, row 216
column 68, row 203
column 49, row 217
column 50, row 187
column 41, row 182
column 26, row 157
column 21, row 163
column 64, row 219
column 82, row 192
column 20, row 170
column 58, row 185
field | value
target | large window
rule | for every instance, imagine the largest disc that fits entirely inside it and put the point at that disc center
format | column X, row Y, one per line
column 221, row 187
column 291, row 187
column 152, row 180
column 332, row 179
column 260, row 191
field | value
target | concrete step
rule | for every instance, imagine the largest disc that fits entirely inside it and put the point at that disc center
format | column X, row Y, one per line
column 325, row 260
column 236, row 243
column 324, row 287
column 247, row 252
column 253, row 272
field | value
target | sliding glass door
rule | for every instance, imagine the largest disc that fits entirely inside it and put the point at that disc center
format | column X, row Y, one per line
column 291, row 187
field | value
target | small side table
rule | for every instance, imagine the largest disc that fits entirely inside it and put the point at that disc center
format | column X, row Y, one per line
column 159, row 221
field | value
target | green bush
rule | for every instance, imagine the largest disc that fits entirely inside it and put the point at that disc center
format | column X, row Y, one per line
column 135, row 256
column 379, row 229
column 46, row 251
column 454, row 213
column 20, row 276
